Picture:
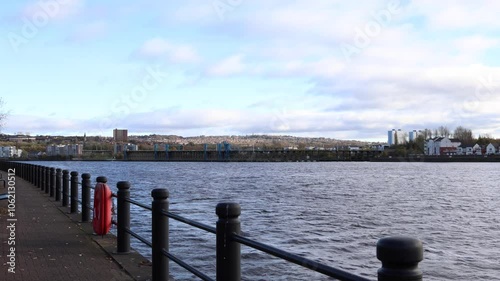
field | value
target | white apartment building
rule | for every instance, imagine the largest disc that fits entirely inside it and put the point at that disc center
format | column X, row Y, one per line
column 10, row 152
column 398, row 136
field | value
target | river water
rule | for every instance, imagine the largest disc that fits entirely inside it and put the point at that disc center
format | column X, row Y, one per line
column 332, row 212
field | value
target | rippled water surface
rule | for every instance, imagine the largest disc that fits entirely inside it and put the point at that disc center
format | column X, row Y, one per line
column 330, row 212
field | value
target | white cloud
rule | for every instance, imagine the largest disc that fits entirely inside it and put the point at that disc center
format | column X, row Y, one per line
column 459, row 14
column 90, row 32
column 229, row 66
column 57, row 10
column 476, row 44
column 424, row 67
column 160, row 48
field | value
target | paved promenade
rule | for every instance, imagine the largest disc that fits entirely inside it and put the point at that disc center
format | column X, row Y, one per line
column 52, row 245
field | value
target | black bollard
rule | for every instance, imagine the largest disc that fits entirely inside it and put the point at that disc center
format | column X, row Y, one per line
column 123, row 217
column 159, row 237
column 47, row 179
column 228, row 266
column 41, row 174
column 38, row 177
column 52, row 172
column 85, row 197
column 58, row 184
column 400, row 257
column 35, row 175
column 32, row 172
column 101, row 179
column 74, row 192
column 65, row 188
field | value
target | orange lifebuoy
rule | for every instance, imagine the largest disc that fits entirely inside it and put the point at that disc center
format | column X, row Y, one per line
column 101, row 222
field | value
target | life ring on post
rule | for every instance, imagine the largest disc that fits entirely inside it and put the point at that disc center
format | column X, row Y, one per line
column 101, row 222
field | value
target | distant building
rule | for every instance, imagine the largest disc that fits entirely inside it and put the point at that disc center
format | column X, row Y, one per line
column 64, row 150
column 391, row 137
column 491, row 148
column 442, row 146
column 21, row 138
column 120, row 135
column 401, row 137
column 10, row 152
column 396, row 137
column 379, row 147
column 412, row 136
column 125, row 147
column 465, row 149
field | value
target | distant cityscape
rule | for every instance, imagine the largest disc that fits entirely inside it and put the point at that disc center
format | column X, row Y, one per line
column 75, row 147
column 25, row 145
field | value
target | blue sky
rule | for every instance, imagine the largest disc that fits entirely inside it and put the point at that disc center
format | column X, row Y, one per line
column 336, row 69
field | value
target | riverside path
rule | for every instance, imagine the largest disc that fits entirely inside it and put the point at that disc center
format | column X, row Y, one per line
column 48, row 244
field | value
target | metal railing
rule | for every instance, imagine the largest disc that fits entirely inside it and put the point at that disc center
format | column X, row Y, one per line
column 399, row 255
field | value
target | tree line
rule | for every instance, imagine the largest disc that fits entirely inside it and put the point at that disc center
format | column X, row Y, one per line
column 464, row 135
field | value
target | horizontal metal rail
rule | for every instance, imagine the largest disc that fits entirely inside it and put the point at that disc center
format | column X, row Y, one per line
column 137, row 203
column 138, row 237
column 190, row 222
column 186, row 266
column 310, row 264
column 170, row 256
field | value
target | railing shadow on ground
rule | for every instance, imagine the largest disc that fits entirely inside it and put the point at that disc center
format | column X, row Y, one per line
column 399, row 255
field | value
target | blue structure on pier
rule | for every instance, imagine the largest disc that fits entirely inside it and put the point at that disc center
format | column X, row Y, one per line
column 227, row 149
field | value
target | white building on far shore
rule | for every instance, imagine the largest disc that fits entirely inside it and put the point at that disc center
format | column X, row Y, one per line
column 441, row 146
column 10, row 152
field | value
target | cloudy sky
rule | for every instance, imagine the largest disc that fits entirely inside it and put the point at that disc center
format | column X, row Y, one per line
column 328, row 68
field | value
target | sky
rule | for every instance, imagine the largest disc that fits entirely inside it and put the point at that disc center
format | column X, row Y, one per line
column 323, row 68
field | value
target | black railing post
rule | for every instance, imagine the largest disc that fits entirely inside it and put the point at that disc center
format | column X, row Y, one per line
column 42, row 178
column 85, row 197
column 47, row 179
column 65, row 188
column 400, row 257
column 123, row 217
column 58, row 184
column 228, row 266
column 74, row 192
column 52, row 172
column 35, row 175
column 159, row 237
column 41, row 175
column 32, row 172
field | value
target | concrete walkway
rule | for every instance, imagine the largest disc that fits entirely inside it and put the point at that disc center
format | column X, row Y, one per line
column 51, row 245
